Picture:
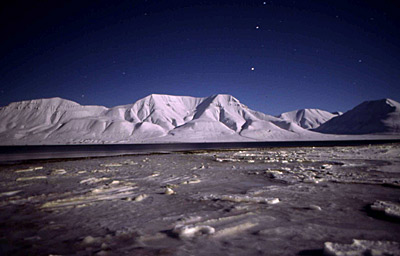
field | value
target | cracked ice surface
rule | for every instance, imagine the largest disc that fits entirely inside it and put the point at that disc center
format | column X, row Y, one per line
column 362, row 247
column 275, row 201
column 390, row 209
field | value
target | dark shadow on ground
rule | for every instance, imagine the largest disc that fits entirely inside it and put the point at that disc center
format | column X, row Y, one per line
column 312, row 252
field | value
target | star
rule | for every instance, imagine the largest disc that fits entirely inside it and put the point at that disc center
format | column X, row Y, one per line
column 83, row 95
column 359, row 61
column 252, row 68
column 257, row 27
column 264, row 3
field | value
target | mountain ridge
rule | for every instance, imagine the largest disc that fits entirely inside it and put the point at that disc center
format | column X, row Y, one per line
column 377, row 116
column 168, row 118
column 308, row 118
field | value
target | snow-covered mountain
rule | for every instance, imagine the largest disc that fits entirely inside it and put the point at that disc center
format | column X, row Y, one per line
column 379, row 116
column 308, row 118
column 155, row 118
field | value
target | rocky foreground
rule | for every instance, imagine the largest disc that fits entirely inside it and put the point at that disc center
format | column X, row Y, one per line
column 277, row 201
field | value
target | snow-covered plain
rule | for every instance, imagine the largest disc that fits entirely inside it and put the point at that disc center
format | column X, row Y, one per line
column 271, row 201
column 166, row 118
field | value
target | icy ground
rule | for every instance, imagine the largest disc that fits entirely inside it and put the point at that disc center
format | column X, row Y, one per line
column 277, row 201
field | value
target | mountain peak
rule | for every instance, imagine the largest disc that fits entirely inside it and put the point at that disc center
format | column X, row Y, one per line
column 169, row 118
column 375, row 116
column 45, row 102
column 307, row 118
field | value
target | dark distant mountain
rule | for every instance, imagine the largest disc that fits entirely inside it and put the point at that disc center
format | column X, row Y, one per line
column 370, row 117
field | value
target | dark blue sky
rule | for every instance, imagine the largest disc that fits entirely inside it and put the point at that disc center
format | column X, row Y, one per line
column 329, row 54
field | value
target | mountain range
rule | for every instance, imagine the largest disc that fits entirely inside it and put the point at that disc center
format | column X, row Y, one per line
column 166, row 118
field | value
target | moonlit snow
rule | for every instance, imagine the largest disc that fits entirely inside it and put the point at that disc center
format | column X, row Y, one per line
column 369, row 117
column 271, row 201
column 165, row 118
column 308, row 118
column 247, row 201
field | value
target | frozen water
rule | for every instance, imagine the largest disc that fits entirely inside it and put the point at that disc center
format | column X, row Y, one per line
column 193, row 230
column 362, row 247
column 275, row 201
column 388, row 208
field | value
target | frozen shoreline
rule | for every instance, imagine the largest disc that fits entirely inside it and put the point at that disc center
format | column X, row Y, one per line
column 30, row 152
column 276, row 201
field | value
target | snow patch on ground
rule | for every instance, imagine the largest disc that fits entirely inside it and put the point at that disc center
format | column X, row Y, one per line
column 362, row 247
column 390, row 209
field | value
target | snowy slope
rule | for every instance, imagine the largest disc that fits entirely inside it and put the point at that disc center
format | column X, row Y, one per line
column 155, row 118
column 379, row 116
column 307, row 118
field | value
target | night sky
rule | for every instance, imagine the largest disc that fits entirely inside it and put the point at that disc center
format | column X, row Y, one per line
column 274, row 56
